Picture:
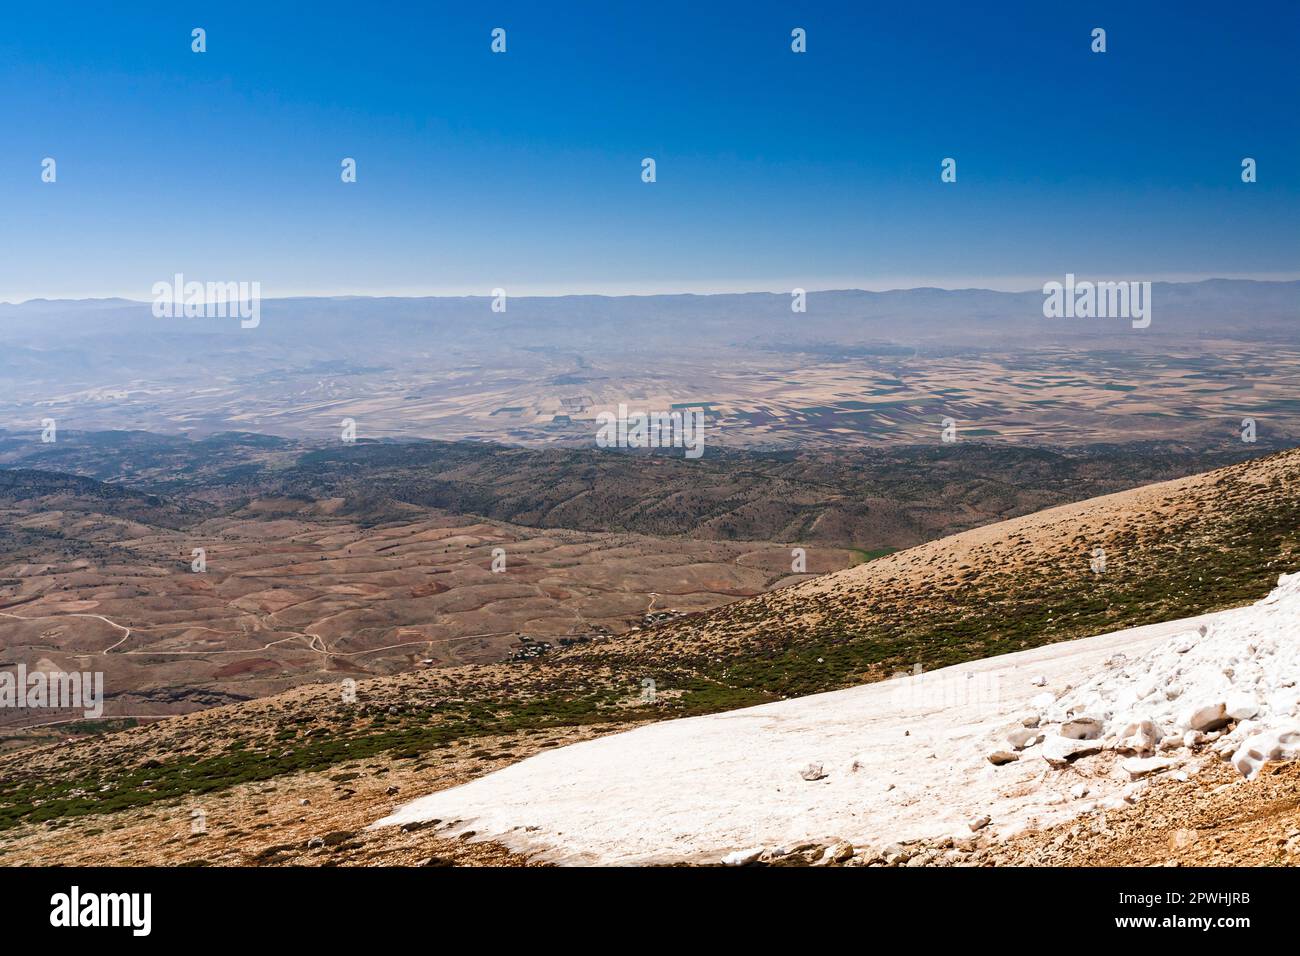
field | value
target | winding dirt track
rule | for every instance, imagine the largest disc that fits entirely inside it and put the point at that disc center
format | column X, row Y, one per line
column 126, row 631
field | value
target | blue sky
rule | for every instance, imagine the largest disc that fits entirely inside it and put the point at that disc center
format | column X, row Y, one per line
column 522, row 170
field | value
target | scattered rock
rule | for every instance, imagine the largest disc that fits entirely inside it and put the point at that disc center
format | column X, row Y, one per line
column 1082, row 728
column 773, row 853
column 743, row 857
column 1139, row 737
column 979, row 823
column 839, row 852
column 1061, row 751
column 1024, row 737
column 1258, row 750
column 895, row 854
column 1139, row 767
column 1205, row 718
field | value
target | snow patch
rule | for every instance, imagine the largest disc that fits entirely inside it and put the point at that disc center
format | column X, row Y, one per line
column 1122, row 712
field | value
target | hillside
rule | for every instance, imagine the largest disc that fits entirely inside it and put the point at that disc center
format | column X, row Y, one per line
column 1173, row 550
column 891, row 497
column 295, row 591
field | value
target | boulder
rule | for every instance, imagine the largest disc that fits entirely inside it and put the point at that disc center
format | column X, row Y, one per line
column 1138, row 737
column 896, row 855
column 1139, row 767
column 743, row 857
column 1023, row 737
column 1264, row 747
column 1061, row 751
column 773, row 853
column 840, row 852
column 812, row 771
column 1205, row 717
column 1082, row 728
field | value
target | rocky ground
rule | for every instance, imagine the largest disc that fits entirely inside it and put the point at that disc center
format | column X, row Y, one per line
column 1213, row 819
column 303, row 819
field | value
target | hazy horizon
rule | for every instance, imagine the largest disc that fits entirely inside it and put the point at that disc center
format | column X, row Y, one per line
column 910, row 284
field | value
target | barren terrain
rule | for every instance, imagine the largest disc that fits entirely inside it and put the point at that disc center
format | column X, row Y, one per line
column 1175, row 549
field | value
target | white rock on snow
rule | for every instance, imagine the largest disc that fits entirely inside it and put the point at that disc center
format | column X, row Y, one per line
column 1083, row 728
column 1261, row 748
column 743, row 857
column 1024, row 737
column 1206, row 717
column 1138, row 767
column 1060, row 751
column 1139, row 737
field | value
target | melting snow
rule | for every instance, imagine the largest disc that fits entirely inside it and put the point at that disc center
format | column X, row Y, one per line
column 1023, row 739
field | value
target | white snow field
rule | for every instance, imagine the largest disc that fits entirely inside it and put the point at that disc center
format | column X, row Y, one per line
column 1026, row 738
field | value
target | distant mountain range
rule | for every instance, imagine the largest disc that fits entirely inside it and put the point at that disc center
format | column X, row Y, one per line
column 855, row 367
column 1229, row 307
